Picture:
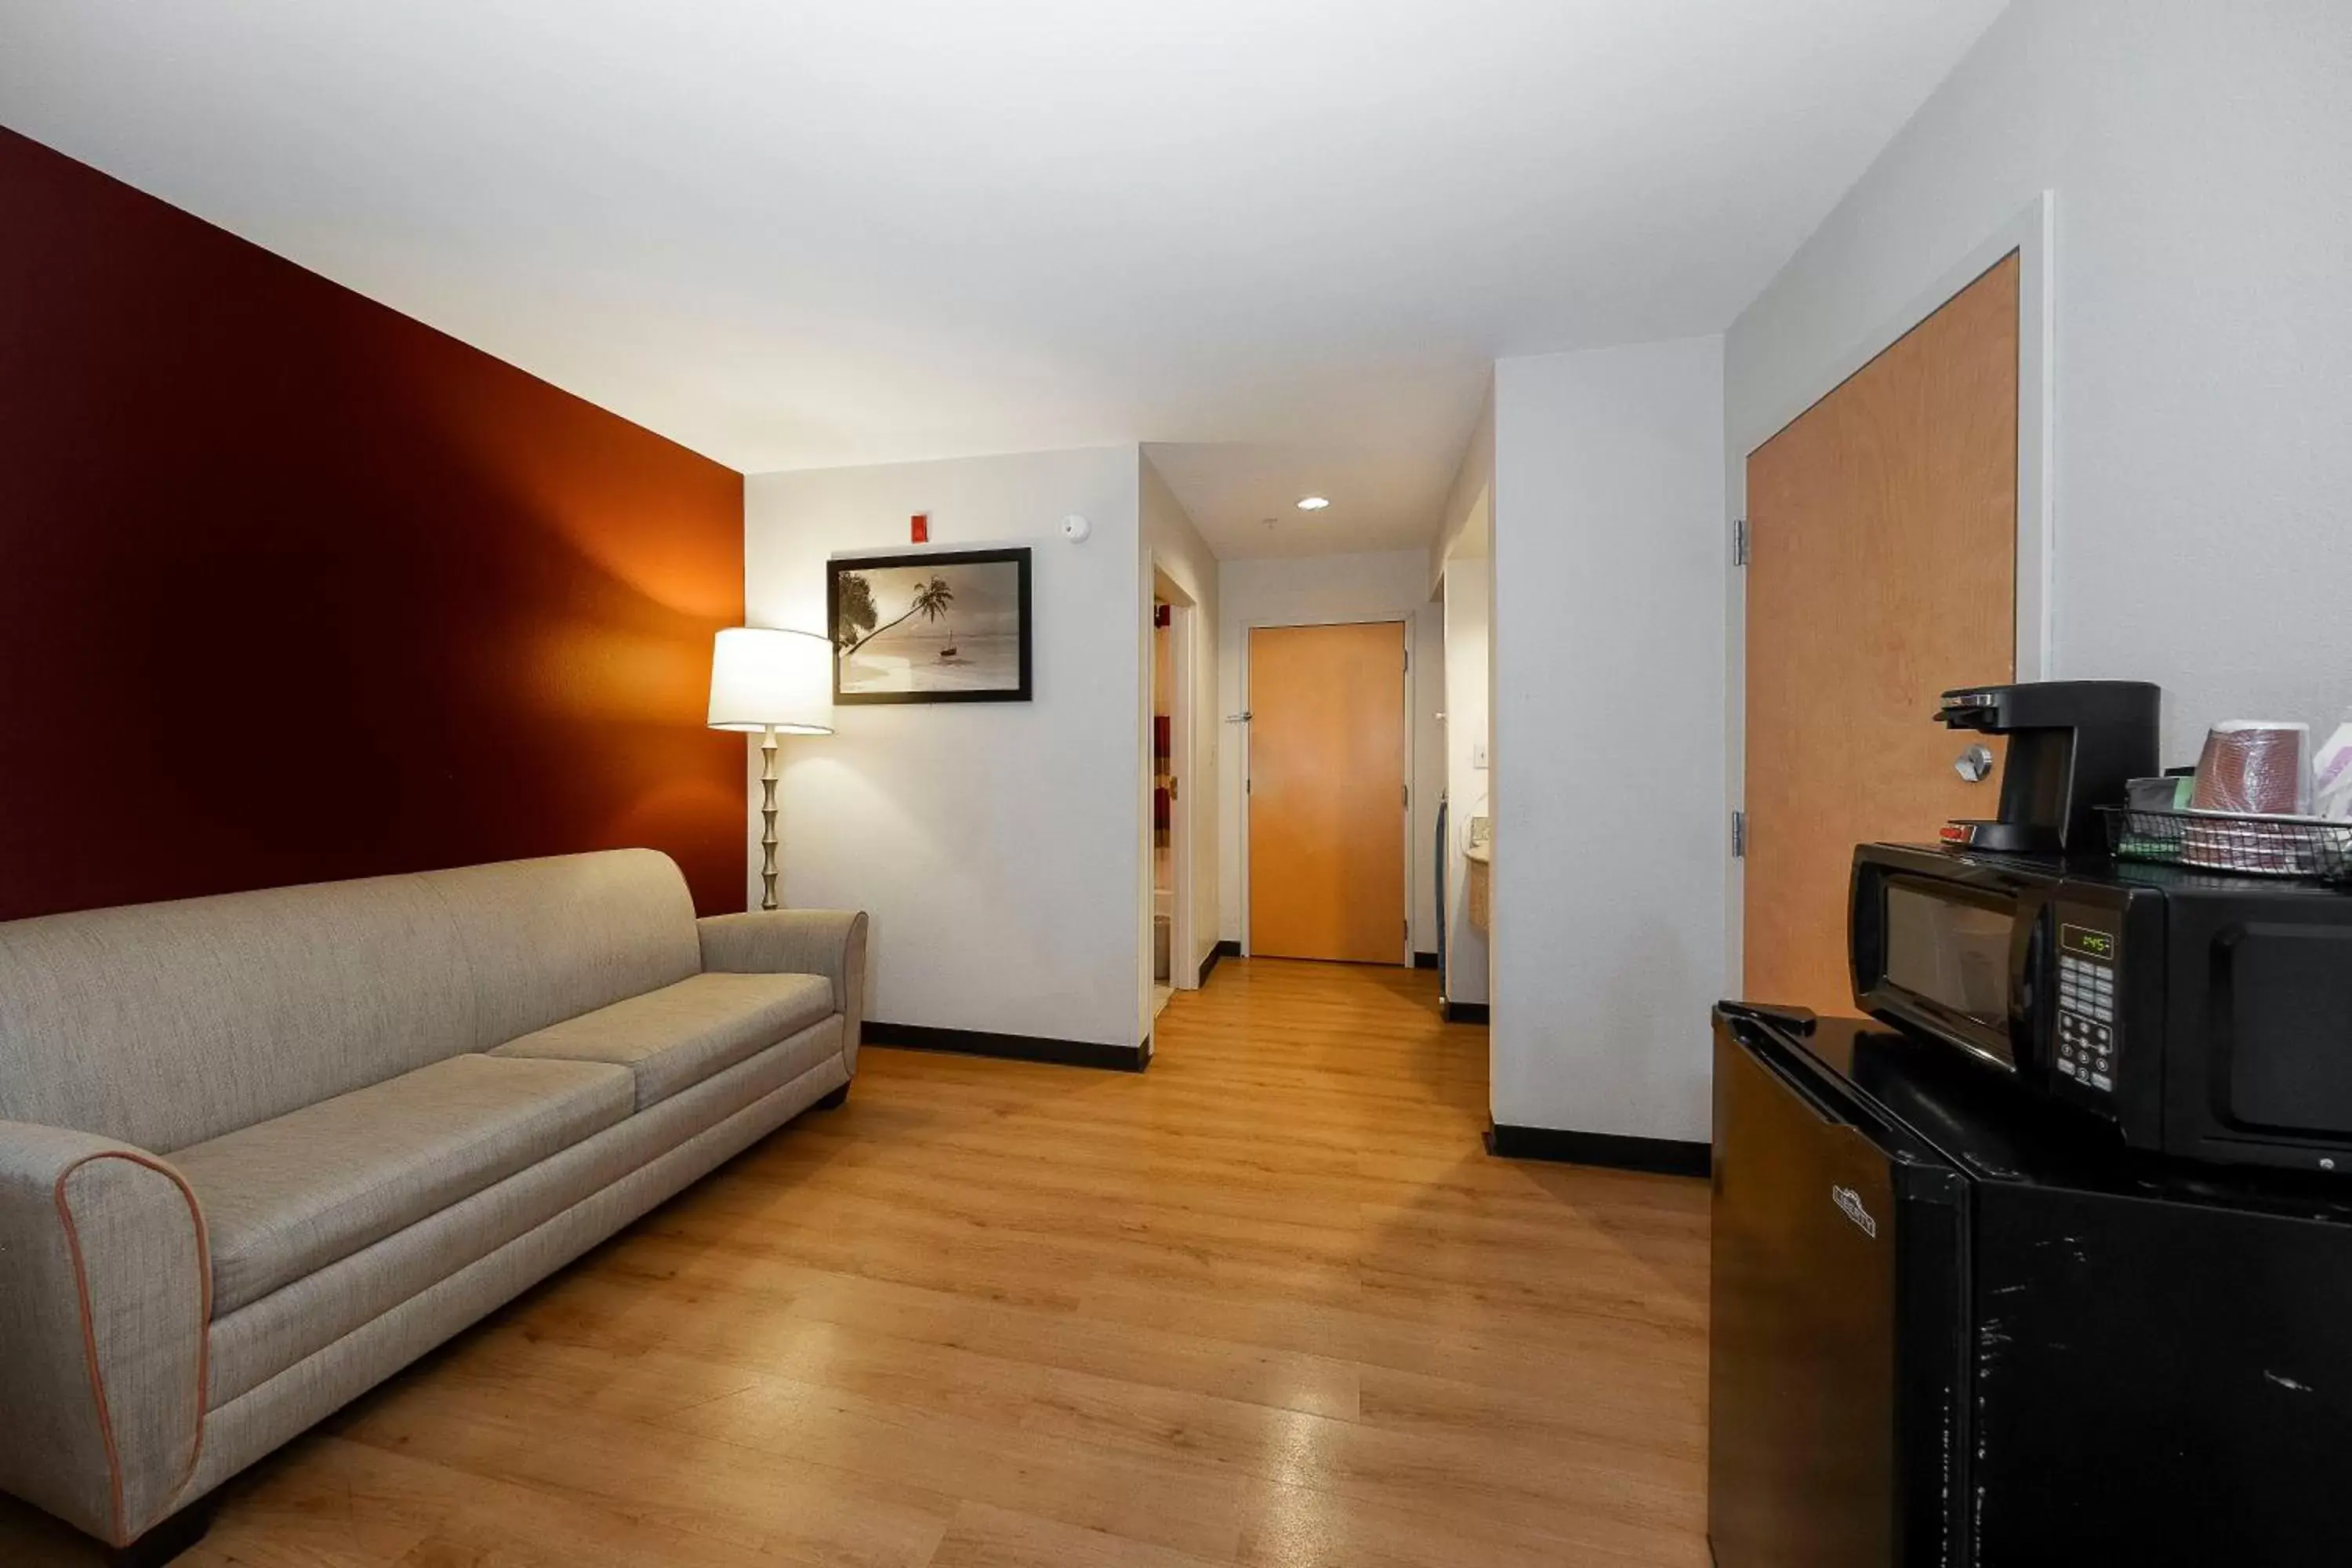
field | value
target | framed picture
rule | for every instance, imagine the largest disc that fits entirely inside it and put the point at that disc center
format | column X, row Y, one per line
column 949, row 626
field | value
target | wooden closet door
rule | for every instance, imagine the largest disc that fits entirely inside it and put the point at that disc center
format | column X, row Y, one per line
column 1326, row 761
column 1882, row 572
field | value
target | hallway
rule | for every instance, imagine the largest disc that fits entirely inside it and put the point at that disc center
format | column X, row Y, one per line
column 1267, row 1303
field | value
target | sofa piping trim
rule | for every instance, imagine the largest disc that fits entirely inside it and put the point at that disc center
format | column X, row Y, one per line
column 122, row 1534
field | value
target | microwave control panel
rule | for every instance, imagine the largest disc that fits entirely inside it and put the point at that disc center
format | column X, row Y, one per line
column 2086, row 1040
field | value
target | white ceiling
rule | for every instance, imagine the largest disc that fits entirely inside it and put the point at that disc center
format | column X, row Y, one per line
column 1281, row 239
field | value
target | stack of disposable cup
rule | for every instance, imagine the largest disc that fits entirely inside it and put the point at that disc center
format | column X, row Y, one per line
column 2251, row 767
column 2255, row 766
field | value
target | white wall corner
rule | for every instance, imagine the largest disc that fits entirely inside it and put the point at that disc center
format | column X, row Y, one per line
column 1608, row 768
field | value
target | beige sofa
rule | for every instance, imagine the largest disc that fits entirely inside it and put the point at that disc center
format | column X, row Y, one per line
column 260, row 1151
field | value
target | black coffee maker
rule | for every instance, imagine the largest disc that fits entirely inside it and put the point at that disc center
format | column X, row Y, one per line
column 2073, row 745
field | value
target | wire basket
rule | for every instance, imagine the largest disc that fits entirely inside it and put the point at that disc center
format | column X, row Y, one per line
column 2219, row 841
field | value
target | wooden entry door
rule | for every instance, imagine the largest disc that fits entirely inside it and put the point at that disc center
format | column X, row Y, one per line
column 1326, row 776
column 1882, row 572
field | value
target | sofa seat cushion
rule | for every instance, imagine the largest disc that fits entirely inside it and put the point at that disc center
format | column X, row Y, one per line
column 674, row 1037
column 286, row 1197
column 250, row 1347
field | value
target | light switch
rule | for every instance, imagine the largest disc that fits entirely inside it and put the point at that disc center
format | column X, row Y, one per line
column 1478, row 753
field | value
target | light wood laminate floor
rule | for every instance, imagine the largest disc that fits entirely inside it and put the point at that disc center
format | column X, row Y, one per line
column 1268, row 1304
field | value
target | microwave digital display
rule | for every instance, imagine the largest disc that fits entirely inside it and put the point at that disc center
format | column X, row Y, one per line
column 2084, row 942
column 1951, row 952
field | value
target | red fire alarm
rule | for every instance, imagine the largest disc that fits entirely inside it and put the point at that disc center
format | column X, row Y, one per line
column 919, row 527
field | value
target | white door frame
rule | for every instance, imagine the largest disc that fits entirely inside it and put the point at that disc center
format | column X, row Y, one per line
column 2032, row 236
column 1410, row 622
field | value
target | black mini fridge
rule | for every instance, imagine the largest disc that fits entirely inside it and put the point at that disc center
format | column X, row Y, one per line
column 1953, row 1325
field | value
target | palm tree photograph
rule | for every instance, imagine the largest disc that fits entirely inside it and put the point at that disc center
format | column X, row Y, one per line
column 941, row 627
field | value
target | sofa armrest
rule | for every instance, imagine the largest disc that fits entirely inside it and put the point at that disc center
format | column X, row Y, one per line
column 831, row 942
column 105, row 1309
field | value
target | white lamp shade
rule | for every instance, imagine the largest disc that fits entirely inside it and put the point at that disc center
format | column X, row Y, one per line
column 762, row 677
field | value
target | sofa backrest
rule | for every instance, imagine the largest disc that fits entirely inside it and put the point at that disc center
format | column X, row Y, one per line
column 164, row 1025
column 549, row 940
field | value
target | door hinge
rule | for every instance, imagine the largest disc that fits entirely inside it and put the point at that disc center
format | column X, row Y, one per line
column 1408, row 798
column 1740, row 836
column 1739, row 543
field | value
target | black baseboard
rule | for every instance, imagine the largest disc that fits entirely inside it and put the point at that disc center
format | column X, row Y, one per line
column 1012, row 1047
column 1424, row 961
column 1222, row 949
column 1465, row 1012
column 1658, row 1156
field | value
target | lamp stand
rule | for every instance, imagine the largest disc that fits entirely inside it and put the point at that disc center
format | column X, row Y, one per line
column 768, row 819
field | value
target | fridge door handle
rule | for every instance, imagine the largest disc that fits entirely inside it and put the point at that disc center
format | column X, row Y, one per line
column 1804, row 1093
column 1811, row 1098
column 1790, row 1020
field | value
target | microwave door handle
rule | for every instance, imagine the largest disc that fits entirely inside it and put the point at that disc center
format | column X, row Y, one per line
column 2026, row 1013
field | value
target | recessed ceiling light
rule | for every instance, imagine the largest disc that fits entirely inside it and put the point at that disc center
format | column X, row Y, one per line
column 1312, row 503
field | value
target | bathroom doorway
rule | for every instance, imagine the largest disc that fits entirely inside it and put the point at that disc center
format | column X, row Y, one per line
column 1163, row 803
column 1169, row 781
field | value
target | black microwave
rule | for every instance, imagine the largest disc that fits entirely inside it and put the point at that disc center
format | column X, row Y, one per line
column 2203, row 1015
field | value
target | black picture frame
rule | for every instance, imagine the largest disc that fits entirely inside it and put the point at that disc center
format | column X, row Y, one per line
column 934, row 560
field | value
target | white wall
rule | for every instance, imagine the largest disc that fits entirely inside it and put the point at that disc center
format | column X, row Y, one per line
column 1320, row 590
column 2200, row 155
column 1469, row 597
column 994, row 845
column 1608, row 774
column 1172, row 542
column 1467, row 529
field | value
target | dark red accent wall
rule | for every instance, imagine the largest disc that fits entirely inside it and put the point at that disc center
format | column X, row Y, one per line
column 293, row 588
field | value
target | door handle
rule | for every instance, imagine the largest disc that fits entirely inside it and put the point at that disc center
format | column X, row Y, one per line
column 1792, row 1083
column 1974, row 764
column 1795, row 1020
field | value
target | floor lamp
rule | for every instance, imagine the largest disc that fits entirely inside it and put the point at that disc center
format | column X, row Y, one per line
column 768, row 682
